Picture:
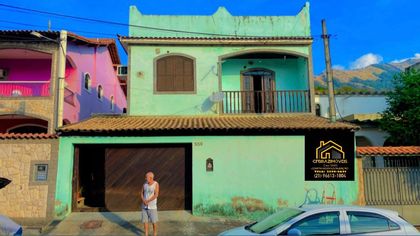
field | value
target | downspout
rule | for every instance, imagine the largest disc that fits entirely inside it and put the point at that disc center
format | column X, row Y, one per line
column 61, row 74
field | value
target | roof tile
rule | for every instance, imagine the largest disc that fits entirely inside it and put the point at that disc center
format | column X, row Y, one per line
column 27, row 136
column 389, row 151
column 102, row 124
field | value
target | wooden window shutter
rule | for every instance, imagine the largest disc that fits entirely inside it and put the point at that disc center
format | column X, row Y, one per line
column 175, row 74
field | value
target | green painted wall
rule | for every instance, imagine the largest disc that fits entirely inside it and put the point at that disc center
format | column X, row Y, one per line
column 144, row 101
column 290, row 74
column 221, row 22
column 260, row 178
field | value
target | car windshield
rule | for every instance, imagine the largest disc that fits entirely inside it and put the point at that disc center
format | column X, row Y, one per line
column 281, row 216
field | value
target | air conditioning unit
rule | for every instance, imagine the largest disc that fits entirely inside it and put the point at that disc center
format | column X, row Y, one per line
column 3, row 74
column 122, row 71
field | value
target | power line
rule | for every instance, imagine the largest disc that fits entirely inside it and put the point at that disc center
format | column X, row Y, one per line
column 72, row 30
column 119, row 23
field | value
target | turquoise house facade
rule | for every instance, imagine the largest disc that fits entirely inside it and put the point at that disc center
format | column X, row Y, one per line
column 220, row 107
column 227, row 60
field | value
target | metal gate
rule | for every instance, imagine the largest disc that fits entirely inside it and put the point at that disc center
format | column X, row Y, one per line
column 393, row 183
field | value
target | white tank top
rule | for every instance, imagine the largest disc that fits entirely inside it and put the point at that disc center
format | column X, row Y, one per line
column 148, row 192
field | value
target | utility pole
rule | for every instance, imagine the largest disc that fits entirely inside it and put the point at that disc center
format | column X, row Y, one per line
column 49, row 25
column 326, row 38
column 61, row 72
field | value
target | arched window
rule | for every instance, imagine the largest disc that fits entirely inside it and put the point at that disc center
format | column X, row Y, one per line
column 175, row 73
column 100, row 92
column 87, row 82
column 112, row 103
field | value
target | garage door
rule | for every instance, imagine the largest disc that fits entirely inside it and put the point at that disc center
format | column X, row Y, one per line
column 125, row 168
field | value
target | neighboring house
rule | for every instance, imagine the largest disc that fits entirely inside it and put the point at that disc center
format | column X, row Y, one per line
column 361, row 109
column 225, row 121
column 29, row 88
column 47, row 79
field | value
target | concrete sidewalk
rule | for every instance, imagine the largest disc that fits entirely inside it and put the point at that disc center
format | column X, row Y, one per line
column 128, row 223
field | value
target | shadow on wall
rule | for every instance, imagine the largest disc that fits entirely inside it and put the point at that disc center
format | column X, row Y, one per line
column 208, row 105
column 90, row 103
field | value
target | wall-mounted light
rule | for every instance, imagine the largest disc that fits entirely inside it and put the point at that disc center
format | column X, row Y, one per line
column 209, row 165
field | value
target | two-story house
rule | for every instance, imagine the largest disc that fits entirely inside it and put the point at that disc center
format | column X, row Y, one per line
column 221, row 108
column 32, row 100
column 47, row 79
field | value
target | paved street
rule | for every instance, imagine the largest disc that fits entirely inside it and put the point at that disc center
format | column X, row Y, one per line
column 128, row 223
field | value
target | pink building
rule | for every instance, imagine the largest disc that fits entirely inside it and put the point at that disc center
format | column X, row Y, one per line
column 33, row 98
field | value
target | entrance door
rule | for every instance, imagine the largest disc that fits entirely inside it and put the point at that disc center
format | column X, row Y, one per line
column 258, row 86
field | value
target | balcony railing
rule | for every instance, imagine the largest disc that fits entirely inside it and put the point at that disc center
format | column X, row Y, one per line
column 286, row 101
column 24, row 88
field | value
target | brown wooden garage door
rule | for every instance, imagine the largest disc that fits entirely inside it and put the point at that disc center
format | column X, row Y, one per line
column 125, row 168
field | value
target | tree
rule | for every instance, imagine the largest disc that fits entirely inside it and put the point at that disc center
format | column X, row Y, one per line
column 402, row 117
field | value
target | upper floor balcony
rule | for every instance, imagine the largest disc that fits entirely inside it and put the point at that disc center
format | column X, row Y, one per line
column 24, row 88
column 265, row 82
column 266, row 101
column 25, row 73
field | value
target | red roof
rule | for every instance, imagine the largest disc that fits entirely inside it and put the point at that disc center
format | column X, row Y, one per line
column 27, row 136
column 25, row 35
column 389, row 151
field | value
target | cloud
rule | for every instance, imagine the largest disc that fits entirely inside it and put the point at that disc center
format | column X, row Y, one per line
column 366, row 60
column 338, row 67
column 416, row 56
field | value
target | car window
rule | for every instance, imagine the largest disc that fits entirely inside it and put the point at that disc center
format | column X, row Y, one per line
column 319, row 224
column 365, row 222
column 272, row 221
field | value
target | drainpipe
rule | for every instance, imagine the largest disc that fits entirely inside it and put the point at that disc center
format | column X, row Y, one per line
column 61, row 73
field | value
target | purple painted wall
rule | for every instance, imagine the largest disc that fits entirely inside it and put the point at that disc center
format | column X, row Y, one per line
column 29, row 71
column 80, row 103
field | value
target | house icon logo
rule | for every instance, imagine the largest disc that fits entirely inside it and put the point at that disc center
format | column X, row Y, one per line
column 329, row 151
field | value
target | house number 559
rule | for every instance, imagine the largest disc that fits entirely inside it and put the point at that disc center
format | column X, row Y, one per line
column 198, row 144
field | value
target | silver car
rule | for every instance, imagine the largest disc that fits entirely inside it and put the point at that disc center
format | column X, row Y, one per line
column 328, row 220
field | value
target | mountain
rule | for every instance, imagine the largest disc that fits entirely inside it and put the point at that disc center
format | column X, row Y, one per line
column 376, row 77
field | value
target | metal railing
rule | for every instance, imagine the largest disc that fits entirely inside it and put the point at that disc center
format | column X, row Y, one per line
column 278, row 101
column 24, row 88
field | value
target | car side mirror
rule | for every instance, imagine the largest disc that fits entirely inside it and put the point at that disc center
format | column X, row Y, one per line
column 294, row 231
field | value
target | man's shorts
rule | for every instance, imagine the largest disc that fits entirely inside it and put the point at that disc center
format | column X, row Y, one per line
column 149, row 215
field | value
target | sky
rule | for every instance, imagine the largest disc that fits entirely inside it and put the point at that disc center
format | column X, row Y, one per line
column 362, row 32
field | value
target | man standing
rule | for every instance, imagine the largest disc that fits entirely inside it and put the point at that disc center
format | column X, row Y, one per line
column 149, row 194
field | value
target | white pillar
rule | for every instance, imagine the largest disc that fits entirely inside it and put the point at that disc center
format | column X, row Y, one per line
column 61, row 73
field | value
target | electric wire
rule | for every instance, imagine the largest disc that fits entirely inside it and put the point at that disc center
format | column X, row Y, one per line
column 122, row 24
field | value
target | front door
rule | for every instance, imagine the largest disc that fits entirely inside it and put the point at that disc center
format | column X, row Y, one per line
column 258, row 86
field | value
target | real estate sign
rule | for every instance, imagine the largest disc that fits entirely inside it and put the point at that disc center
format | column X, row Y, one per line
column 329, row 156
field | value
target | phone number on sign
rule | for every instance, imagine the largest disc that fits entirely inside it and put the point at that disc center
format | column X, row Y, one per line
column 330, row 176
